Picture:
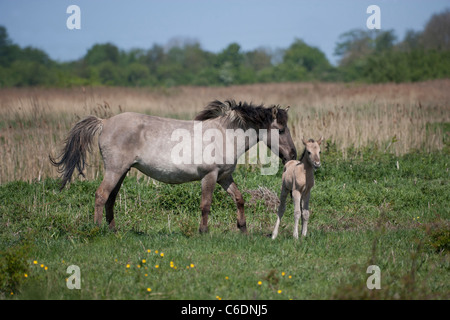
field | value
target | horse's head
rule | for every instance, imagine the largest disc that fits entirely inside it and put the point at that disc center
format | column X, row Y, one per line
column 312, row 151
column 286, row 147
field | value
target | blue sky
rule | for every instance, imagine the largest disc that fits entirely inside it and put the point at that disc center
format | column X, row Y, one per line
column 214, row 23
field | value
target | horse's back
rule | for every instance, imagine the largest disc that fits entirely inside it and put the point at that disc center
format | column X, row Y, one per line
column 146, row 143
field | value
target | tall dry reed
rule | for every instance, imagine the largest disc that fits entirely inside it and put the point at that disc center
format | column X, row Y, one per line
column 396, row 117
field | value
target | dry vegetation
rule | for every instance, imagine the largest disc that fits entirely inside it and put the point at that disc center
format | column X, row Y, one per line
column 396, row 117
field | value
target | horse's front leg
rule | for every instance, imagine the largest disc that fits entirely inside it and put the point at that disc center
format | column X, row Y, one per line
column 208, row 184
column 231, row 188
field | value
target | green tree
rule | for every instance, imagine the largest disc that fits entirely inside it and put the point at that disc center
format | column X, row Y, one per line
column 301, row 62
column 108, row 73
column 258, row 59
column 138, row 74
column 310, row 58
column 437, row 32
column 8, row 51
column 231, row 55
column 352, row 46
column 100, row 53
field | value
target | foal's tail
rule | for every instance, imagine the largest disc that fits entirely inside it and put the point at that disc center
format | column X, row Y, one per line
column 77, row 143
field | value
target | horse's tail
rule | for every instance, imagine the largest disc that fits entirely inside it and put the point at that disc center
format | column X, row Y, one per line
column 77, row 143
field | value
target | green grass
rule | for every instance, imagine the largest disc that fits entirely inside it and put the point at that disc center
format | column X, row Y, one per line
column 373, row 208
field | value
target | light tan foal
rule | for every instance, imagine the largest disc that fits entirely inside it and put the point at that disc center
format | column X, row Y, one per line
column 298, row 178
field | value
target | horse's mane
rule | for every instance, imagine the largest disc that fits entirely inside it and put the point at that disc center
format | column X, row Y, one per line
column 242, row 114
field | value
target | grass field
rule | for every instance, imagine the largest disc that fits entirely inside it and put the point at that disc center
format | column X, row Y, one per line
column 364, row 212
column 383, row 201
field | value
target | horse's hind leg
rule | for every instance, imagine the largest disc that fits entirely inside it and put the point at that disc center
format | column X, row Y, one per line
column 231, row 188
column 109, row 184
column 109, row 206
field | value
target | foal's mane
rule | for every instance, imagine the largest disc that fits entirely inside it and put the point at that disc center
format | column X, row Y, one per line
column 242, row 114
column 304, row 150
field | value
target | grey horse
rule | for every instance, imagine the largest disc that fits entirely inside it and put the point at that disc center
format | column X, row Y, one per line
column 168, row 150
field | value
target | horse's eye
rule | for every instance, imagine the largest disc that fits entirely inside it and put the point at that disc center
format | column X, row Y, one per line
column 309, row 152
column 282, row 130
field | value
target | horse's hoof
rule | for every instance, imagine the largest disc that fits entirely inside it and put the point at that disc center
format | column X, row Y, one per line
column 203, row 229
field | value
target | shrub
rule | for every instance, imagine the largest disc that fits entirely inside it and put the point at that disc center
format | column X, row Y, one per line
column 13, row 267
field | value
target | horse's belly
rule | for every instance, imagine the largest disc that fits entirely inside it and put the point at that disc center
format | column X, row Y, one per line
column 168, row 174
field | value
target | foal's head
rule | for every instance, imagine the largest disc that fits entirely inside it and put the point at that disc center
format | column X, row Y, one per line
column 312, row 152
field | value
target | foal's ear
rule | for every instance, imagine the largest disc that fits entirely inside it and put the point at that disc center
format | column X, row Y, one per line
column 304, row 141
column 320, row 140
column 287, row 108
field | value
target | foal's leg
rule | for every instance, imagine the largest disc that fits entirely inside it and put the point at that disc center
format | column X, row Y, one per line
column 231, row 188
column 305, row 213
column 108, row 185
column 297, row 198
column 281, row 209
column 208, row 184
column 109, row 206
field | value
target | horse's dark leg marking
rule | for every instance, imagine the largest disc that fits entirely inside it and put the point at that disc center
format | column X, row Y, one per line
column 110, row 183
column 231, row 188
column 109, row 206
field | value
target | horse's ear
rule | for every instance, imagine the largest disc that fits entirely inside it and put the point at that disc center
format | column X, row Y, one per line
column 304, row 141
column 287, row 108
column 274, row 113
column 320, row 140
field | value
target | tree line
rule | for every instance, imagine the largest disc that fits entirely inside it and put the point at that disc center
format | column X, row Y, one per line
column 372, row 56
